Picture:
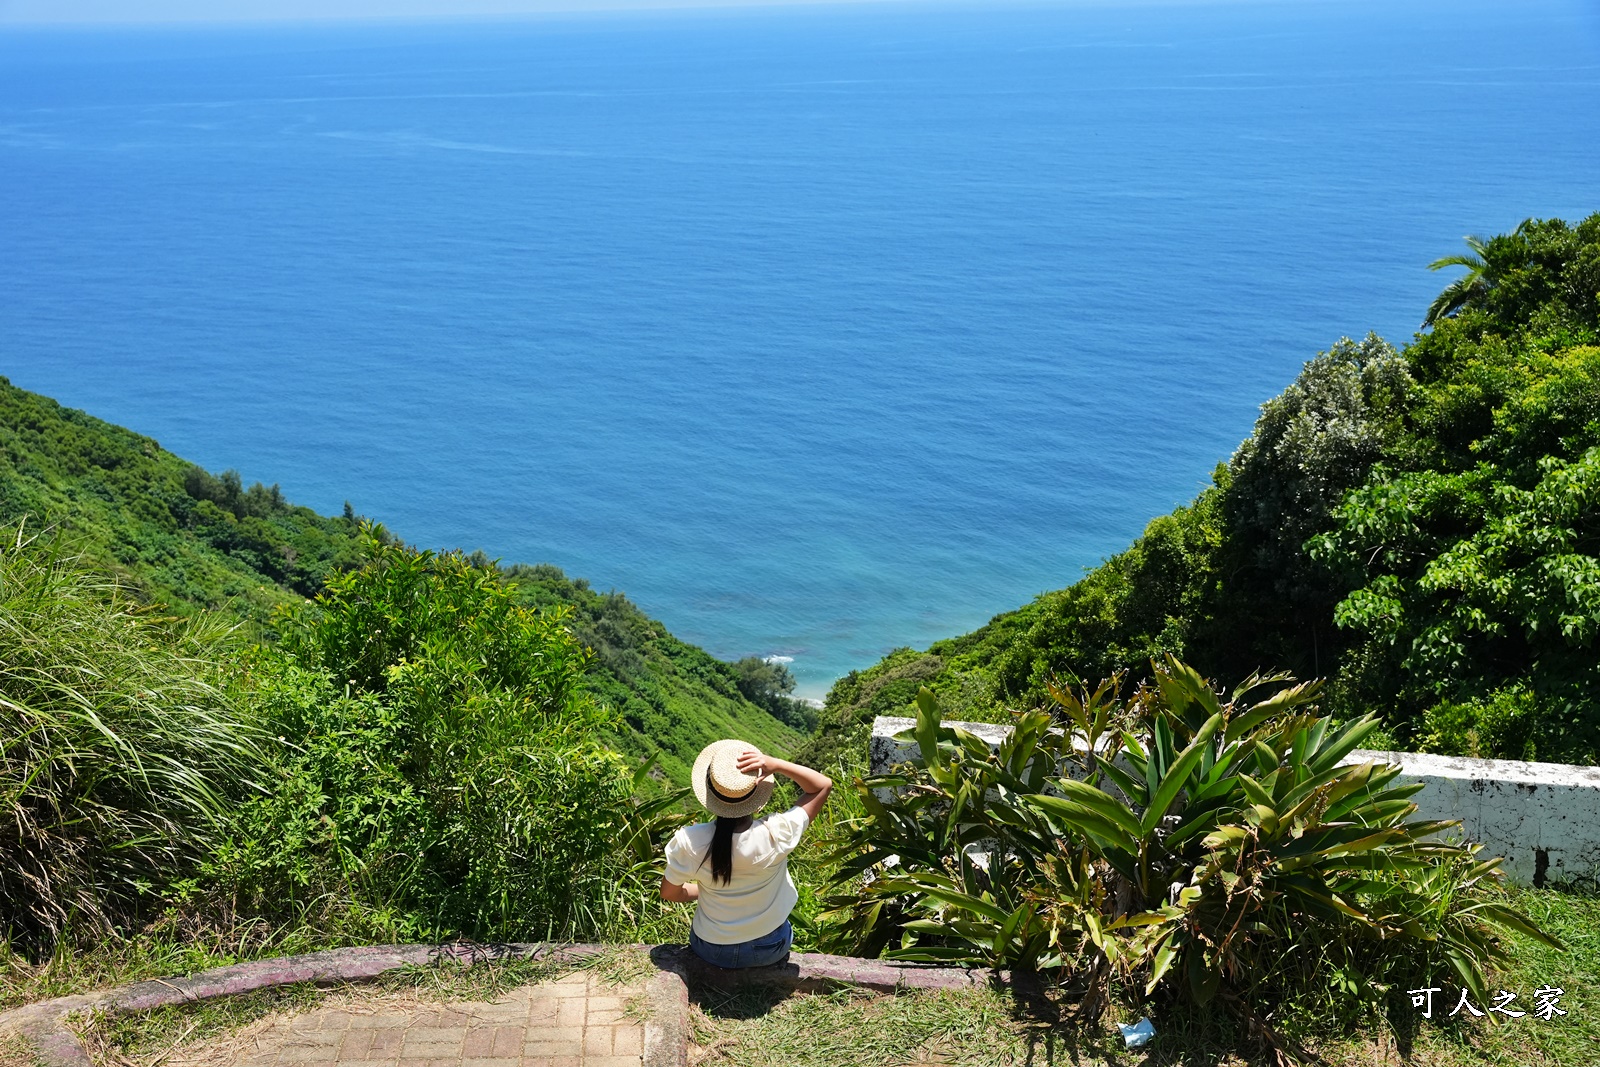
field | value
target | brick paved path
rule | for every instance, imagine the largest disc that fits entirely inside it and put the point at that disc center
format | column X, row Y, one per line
column 577, row 1021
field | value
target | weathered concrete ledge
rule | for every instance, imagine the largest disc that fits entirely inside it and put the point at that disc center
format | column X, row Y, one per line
column 1544, row 818
column 666, row 1031
column 820, row 971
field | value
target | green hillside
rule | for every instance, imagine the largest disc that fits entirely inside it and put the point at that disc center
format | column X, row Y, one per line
column 673, row 696
column 181, row 537
column 161, row 526
column 1421, row 526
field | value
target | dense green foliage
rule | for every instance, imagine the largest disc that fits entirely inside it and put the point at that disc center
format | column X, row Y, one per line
column 177, row 536
column 1421, row 526
column 770, row 683
column 1170, row 842
column 122, row 745
column 1474, row 578
column 416, row 756
column 440, row 763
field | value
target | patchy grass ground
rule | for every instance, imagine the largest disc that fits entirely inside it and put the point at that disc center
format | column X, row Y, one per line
column 157, row 1036
column 164, row 950
column 980, row 1028
column 967, row 1027
column 14, row 1052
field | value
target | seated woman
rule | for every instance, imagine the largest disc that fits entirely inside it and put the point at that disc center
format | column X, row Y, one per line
column 736, row 870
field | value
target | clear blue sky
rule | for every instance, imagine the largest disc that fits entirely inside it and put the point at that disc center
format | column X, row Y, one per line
column 94, row 11
column 90, row 11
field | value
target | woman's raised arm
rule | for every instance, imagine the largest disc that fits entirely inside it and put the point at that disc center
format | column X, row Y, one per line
column 814, row 785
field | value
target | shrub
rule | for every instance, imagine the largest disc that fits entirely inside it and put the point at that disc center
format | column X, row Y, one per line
column 121, row 746
column 1206, row 850
column 1474, row 583
column 440, row 769
column 768, row 683
column 1496, row 725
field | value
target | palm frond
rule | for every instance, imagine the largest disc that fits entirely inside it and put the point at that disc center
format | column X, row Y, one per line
column 1466, row 289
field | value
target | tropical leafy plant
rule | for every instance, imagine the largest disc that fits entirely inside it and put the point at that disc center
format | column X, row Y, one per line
column 645, row 821
column 1173, row 842
column 1543, row 274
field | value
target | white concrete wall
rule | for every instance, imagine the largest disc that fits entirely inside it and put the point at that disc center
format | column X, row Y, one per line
column 1544, row 818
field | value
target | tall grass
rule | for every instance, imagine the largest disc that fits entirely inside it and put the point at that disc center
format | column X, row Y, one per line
column 120, row 745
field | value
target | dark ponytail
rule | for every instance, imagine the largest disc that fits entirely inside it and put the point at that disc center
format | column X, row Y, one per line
column 721, row 854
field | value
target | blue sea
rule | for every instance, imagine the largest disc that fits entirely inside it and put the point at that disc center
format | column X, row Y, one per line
column 817, row 331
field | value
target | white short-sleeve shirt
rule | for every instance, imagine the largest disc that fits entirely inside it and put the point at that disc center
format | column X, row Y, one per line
column 761, row 894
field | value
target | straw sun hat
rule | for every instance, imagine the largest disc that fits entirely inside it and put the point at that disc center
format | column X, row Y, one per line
column 721, row 787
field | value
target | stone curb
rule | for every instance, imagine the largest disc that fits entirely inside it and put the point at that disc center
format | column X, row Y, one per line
column 666, row 1032
column 666, row 1028
column 818, row 970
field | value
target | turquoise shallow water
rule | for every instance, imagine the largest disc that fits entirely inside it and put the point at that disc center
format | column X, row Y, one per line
column 816, row 331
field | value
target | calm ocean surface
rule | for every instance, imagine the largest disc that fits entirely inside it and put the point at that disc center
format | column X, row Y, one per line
column 815, row 331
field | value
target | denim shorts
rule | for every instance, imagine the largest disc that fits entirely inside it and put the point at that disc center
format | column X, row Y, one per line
column 760, row 952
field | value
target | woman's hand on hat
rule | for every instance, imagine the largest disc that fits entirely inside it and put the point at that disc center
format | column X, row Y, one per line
column 752, row 762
